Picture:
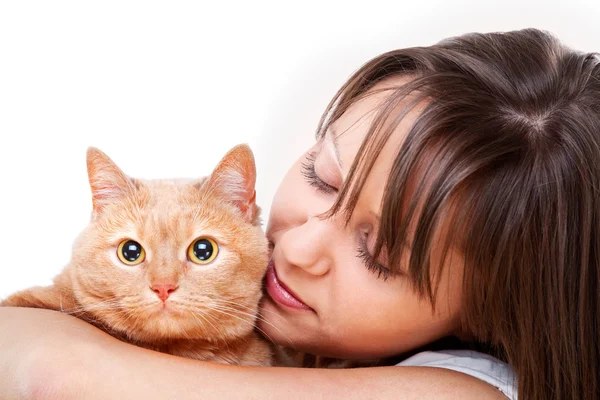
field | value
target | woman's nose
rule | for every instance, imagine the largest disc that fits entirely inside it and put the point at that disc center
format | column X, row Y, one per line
column 308, row 246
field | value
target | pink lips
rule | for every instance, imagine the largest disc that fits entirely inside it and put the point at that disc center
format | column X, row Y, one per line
column 280, row 293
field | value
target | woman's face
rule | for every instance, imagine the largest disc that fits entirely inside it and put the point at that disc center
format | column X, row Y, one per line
column 321, row 298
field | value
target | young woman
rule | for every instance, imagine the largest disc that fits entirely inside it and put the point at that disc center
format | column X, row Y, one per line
column 448, row 216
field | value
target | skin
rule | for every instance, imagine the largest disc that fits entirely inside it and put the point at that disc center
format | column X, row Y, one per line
column 315, row 258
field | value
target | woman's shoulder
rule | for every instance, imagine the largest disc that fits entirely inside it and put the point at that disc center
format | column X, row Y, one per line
column 479, row 365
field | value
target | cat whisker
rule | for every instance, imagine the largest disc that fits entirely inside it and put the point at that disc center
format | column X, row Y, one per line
column 234, row 316
column 90, row 308
column 261, row 318
column 227, row 311
column 224, row 310
column 245, row 306
column 205, row 318
column 83, row 308
column 185, row 332
column 253, row 313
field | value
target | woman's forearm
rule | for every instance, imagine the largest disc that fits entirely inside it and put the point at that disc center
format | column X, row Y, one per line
column 48, row 355
column 138, row 373
column 35, row 344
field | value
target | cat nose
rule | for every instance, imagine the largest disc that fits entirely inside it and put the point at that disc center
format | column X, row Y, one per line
column 164, row 290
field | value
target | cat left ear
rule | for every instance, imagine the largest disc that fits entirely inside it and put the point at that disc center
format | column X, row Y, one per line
column 235, row 178
column 107, row 181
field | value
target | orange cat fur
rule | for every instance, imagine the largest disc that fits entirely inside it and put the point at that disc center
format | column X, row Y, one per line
column 170, row 299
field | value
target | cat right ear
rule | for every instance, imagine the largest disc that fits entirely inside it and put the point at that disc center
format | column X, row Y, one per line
column 234, row 178
column 107, row 181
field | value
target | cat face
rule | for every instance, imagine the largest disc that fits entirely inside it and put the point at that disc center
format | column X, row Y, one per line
column 172, row 259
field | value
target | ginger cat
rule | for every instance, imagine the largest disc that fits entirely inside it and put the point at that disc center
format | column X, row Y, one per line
column 169, row 265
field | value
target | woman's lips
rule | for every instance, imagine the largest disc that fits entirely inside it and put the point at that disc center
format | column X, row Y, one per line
column 280, row 293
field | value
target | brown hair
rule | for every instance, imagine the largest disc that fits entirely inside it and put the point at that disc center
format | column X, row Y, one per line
column 511, row 135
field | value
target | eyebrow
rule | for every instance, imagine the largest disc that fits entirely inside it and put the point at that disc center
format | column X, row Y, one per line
column 336, row 148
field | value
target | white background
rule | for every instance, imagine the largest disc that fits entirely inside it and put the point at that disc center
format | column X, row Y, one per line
column 166, row 88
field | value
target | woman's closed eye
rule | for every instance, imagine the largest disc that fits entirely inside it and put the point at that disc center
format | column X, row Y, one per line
column 310, row 174
column 371, row 264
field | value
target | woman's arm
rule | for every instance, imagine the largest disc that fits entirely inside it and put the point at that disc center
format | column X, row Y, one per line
column 45, row 354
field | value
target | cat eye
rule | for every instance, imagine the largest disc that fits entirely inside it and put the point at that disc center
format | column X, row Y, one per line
column 203, row 251
column 131, row 252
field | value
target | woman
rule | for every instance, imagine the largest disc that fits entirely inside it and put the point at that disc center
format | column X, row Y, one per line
column 449, row 205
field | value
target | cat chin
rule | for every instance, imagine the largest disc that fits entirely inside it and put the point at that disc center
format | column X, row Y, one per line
column 168, row 327
column 164, row 324
column 156, row 327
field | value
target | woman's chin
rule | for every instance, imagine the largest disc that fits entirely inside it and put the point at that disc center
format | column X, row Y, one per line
column 275, row 325
column 300, row 332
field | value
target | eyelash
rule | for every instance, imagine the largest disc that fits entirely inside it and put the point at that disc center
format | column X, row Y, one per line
column 371, row 264
column 308, row 171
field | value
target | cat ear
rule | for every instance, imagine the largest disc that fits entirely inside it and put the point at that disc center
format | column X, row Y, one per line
column 107, row 181
column 234, row 179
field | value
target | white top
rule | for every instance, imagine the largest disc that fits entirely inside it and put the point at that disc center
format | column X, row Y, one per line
column 482, row 366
